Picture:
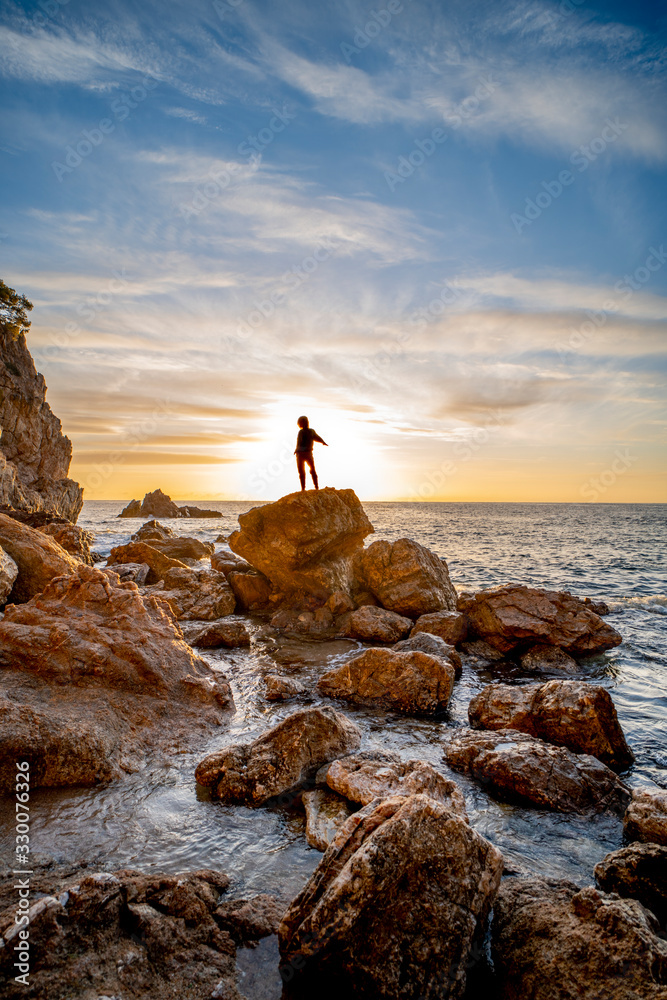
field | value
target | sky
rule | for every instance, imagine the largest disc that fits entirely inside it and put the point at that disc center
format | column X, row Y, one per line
column 436, row 228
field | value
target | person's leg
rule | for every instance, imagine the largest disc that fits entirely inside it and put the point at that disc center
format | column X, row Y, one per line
column 313, row 474
column 301, row 466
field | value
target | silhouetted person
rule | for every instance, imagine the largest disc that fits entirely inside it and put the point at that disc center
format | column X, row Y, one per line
column 304, row 451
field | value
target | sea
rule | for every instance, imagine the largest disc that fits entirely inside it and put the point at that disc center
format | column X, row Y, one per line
column 157, row 819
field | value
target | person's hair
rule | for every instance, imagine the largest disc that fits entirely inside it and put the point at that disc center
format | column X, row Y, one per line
column 302, row 421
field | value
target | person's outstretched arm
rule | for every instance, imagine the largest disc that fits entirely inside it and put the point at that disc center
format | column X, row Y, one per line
column 316, row 437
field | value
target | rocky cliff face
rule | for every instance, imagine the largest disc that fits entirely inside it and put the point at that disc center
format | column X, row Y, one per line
column 34, row 453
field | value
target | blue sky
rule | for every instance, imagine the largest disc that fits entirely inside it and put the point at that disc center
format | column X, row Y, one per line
column 438, row 229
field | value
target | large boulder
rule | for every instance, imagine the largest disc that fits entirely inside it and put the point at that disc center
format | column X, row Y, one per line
column 431, row 644
column 395, row 904
column 280, row 760
column 371, row 624
column 646, row 818
column 91, row 656
column 553, row 939
column 8, row 573
column 451, row 626
column 523, row 769
column 142, row 552
column 413, row 682
column 570, row 714
column 72, row 539
column 363, row 777
column 158, row 504
column 197, row 594
column 637, row 872
column 39, row 558
column 305, row 542
column 406, row 577
column 174, row 546
column 251, row 590
column 517, row 617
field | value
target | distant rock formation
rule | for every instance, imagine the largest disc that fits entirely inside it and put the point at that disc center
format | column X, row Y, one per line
column 158, row 504
column 34, row 453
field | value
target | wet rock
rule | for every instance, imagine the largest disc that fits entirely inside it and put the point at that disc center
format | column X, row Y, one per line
column 361, row 780
column 646, row 818
column 371, row 624
column 8, row 573
column 406, row 577
column 72, row 539
column 570, row 714
column 92, row 653
column 158, row 504
column 281, row 759
column 411, row 682
column 552, row 938
column 599, row 607
column 201, row 512
column 197, row 595
column 523, row 769
column 305, row 542
column 543, row 659
column 153, row 531
column 128, row 934
column 280, row 688
column 251, row 590
column 225, row 633
column 326, row 813
column 637, row 872
column 448, row 625
column 395, row 903
column 39, row 558
column 136, row 572
column 433, row 645
column 317, row 624
column 142, row 552
column 516, row 616
column 481, row 651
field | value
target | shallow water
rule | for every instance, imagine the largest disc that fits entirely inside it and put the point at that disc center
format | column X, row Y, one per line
column 156, row 819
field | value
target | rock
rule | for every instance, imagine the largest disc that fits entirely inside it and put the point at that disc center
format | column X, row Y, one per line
column 404, row 682
column 361, row 780
column 136, row 572
column 339, row 603
column 394, row 905
column 371, row 624
column 433, row 645
column 481, row 651
column 326, row 813
column 406, row 577
column 91, row 658
column 158, row 504
column 189, row 511
column 305, row 542
column 8, row 573
column 130, row 934
column 225, row 633
column 221, row 539
column 39, row 558
column 570, row 714
column 516, row 616
column 599, row 607
column 637, row 872
column 226, row 562
column 133, row 509
column 282, row 688
column 151, row 531
column 449, row 625
column 183, row 547
column 553, row 939
column 317, row 624
column 72, row 539
column 34, row 453
column 142, row 552
column 280, row 760
column 197, row 595
column 251, row 590
column 523, row 769
column 543, row 659
column 646, row 818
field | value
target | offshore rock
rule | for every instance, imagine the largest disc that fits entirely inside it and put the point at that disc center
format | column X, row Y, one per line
column 394, row 905
column 305, row 542
column 8, row 573
column 646, row 818
column 326, row 813
column 39, row 558
column 406, row 577
column 142, row 552
column 91, row 655
column 520, row 768
column 570, row 714
column 412, row 682
column 371, row 624
column 448, row 625
column 514, row 616
column 72, row 539
column 281, row 759
column 34, row 453
column 158, row 504
column 637, row 872
column 553, row 939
